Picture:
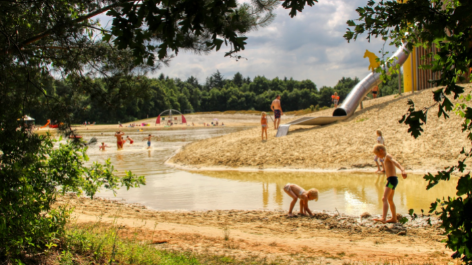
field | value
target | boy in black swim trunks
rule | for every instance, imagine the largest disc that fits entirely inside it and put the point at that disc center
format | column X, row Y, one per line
column 392, row 181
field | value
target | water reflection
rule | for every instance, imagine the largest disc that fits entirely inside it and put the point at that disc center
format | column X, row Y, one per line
column 347, row 192
column 169, row 188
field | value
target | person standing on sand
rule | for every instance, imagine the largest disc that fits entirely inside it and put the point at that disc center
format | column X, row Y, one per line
column 264, row 125
column 277, row 109
column 375, row 90
column 118, row 136
column 392, row 182
column 335, row 99
column 380, row 140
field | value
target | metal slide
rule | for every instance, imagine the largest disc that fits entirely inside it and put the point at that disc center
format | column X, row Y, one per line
column 352, row 100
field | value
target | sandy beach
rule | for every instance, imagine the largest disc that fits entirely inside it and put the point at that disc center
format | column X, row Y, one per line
column 345, row 145
column 229, row 120
column 269, row 235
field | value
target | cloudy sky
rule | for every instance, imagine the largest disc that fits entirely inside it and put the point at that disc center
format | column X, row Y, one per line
column 308, row 46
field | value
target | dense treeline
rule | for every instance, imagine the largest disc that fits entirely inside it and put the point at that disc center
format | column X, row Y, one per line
column 149, row 96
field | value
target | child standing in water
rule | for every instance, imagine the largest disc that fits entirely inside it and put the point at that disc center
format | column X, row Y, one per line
column 148, row 138
column 392, row 182
column 130, row 140
column 380, row 140
column 102, row 147
column 297, row 192
column 264, row 125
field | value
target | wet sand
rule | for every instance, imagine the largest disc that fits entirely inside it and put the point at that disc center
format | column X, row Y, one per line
column 270, row 235
column 341, row 146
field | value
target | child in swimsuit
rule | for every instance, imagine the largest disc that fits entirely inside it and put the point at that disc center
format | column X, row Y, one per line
column 102, row 147
column 297, row 192
column 335, row 99
column 148, row 138
column 374, row 91
column 130, row 140
column 264, row 125
column 392, row 182
column 380, row 140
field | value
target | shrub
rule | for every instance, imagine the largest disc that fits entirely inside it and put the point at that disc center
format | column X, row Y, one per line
column 33, row 174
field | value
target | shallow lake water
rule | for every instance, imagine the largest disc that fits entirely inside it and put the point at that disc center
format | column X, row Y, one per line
column 168, row 188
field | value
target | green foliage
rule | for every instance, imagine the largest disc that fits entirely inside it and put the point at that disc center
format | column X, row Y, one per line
column 447, row 26
column 105, row 246
column 44, row 40
column 390, row 87
column 27, row 221
column 149, row 96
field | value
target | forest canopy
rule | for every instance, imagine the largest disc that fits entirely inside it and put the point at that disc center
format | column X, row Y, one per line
column 153, row 95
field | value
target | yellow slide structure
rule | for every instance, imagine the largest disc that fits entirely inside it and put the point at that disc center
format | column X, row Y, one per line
column 409, row 69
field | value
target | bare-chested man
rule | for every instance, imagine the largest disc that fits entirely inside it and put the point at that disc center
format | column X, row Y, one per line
column 277, row 109
column 119, row 142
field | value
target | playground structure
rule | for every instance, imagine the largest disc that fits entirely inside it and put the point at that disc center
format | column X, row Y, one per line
column 415, row 79
column 353, row 99
column 50, row 125
column 45, row 125
column 170, row 116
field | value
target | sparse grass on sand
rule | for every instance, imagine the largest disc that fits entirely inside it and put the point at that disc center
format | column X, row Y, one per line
column 343, row 145
column 144, row 236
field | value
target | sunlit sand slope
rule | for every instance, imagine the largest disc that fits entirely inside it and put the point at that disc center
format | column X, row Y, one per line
column 344, row 145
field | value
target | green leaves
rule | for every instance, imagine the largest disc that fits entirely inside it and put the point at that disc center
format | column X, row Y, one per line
column 414, row 119
column 31, row 182
column 297, row 5
column 176, row 25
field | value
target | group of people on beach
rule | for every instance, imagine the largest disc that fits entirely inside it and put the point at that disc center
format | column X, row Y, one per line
column 389, row 165
column 276, row 108
column 207, row 124
column 120, row 141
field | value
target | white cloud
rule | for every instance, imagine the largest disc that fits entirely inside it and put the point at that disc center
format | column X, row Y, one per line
column 308, row 46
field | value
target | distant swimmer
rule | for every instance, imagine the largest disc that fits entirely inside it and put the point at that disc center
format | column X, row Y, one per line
column 277, row 109
column 131, row 141
column 297, row 192
column 102, row 147
column 148, row 138
column 119, row 136
column 392, row 182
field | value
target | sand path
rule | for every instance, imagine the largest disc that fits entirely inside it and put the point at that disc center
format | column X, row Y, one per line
column 268, row 235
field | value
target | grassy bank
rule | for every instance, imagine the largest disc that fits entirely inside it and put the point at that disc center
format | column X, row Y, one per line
column 102, row 243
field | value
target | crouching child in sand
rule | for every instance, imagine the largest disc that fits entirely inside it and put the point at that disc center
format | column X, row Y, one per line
column 392, row 181
column 297, row 192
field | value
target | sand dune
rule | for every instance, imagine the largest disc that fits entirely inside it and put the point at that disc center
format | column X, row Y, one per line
column 344, row 145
